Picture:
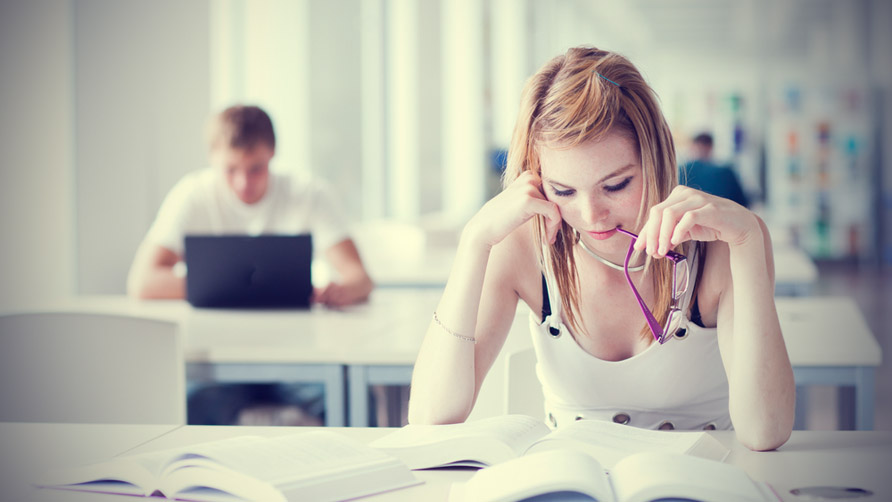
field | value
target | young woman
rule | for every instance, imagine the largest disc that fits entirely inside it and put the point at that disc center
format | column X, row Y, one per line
column 673, row 328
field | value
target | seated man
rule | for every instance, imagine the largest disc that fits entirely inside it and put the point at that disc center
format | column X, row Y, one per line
column 239, row 195
column 704, row 174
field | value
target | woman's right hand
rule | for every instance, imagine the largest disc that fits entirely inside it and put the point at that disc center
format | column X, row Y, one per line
column 516, row 204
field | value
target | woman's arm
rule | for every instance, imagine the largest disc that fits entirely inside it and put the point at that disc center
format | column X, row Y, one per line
column 479, row 302
column 760, row 378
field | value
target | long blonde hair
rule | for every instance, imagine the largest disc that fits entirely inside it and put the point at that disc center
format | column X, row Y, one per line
column 582, row 96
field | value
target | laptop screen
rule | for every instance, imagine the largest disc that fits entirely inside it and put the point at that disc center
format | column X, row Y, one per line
column 240, row 271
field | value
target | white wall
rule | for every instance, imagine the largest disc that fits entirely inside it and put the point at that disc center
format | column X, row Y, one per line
column 36, row 135
column 141, row 100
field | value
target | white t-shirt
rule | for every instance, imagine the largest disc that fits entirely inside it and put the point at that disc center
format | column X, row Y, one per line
column 202, row 203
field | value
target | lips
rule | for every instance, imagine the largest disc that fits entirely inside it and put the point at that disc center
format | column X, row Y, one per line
column 602, row 235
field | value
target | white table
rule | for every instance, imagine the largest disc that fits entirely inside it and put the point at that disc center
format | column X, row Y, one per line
column 809, row 458
column 795, row 273
column 376, row 343
column 830, row 343
column 827, row 338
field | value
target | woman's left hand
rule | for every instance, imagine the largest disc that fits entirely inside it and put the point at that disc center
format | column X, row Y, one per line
column 689, row 214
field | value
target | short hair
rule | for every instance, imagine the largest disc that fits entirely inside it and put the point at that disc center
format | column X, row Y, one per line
column 241, row 127
column 704, row 138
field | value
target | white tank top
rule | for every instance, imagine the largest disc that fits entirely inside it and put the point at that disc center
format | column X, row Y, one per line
column 678, row 385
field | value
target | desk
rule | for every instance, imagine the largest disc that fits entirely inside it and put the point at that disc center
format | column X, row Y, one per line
column 828, row 340
column 830, row 343
column 841, row 458
column 372, row 342
column 795, row 273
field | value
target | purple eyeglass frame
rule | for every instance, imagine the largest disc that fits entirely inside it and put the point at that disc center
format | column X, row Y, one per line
column 660, row 333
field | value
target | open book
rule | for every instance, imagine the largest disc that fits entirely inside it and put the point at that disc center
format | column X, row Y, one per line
column 316, row 465
column 642, row 477
column 494, row 440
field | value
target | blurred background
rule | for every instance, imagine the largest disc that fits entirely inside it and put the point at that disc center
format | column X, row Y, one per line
column 407, row 106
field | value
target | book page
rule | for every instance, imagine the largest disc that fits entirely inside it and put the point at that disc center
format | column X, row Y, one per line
column 609, row 442
column 552, row 472
column 478, row 443
column 515, row 430
column 279, row 460
column 654, row 475
column 327, row 464
column 123, row 477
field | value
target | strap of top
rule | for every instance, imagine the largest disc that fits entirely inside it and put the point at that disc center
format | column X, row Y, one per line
column 546, row 305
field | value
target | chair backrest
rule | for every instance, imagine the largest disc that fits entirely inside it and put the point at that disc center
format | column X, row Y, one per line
column 523, row 391
column 90, row 368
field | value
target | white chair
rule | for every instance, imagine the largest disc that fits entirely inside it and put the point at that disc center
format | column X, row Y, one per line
column 90, row 368
column 523, row 392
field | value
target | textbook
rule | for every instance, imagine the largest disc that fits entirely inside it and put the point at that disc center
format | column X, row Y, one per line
column 315, row 465
column 642, row 477
column 497, row 439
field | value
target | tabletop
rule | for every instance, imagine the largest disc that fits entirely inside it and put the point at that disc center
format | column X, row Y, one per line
column 809, row 458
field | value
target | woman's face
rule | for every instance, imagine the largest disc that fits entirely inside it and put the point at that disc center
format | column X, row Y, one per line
column 597, row 186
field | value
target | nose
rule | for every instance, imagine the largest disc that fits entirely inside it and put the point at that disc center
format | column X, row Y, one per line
column 593, row 212
column 239, row 183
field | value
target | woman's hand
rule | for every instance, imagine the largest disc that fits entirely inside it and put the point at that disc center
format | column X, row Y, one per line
column 689, row 214
column 519, row 202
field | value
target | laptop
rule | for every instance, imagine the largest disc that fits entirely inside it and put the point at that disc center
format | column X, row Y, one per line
column 240, row 271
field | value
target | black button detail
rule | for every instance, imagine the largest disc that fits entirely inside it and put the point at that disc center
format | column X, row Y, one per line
column 666, row 426
column 681, row 333
column 555, row 332
column 709, row 427
column 578, row 417
column 622, row 418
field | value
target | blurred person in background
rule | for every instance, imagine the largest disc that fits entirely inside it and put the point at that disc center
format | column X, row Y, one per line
column 239, row 195
column 703, row 173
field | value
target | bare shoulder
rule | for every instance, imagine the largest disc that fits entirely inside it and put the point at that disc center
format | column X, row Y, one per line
column 515, row 262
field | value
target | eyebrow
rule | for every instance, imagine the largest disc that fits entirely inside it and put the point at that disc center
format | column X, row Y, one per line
column 619, row 171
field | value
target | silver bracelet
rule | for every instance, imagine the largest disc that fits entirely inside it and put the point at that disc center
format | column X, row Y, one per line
column 453, row 333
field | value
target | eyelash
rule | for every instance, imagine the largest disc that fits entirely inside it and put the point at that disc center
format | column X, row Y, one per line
column 609, row 188
column 619, row 186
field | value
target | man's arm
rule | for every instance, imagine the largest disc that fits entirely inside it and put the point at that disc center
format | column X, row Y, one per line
column 354, row 285
column 152, row 274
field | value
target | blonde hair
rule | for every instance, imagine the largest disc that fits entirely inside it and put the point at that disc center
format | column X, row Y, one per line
column 583, row 96
column 242, row 127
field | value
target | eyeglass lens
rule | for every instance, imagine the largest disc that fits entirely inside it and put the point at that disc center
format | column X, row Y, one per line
column 671, row 324
column 680, row 282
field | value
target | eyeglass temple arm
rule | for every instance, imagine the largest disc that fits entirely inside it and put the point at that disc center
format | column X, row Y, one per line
column 655, row 327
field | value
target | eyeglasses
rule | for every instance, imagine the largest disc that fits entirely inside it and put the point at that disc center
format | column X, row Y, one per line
column 679, row 287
